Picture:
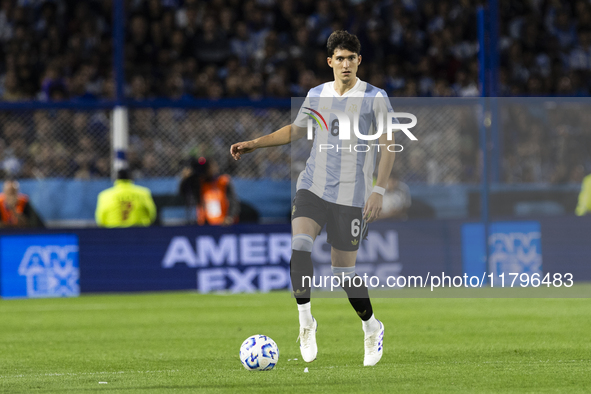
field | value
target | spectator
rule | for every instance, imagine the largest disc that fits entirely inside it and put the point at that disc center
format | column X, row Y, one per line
column 59, row 50
column 212, row 46
column 125, row 204
column 15, row 209
column 584, row 205
column 11, row 88
column 212, row 193
column 241, row 46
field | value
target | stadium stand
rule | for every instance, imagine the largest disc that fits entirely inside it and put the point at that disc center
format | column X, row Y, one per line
column 62, row 49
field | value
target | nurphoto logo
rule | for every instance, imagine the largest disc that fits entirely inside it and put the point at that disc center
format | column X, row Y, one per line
column 340, row 125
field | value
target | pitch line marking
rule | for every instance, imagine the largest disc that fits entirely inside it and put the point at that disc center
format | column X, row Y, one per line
column 85, row 373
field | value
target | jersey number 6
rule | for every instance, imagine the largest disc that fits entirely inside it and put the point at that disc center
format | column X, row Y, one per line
column 334, row 127
column 355, row 227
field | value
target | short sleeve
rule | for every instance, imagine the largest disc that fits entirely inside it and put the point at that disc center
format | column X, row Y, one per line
column 381, row 105
column 301, row 119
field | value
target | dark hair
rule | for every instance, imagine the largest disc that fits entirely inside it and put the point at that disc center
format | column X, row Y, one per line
column 123, row 174
column 342, row 39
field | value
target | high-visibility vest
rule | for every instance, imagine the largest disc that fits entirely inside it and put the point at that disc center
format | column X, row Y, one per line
column 6, row 216
column 584, row 205
column 214, row 201
column 125, row 205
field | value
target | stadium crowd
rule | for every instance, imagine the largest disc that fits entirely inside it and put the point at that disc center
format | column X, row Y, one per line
column 62, row 49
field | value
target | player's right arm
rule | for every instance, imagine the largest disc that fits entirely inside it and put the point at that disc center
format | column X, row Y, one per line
column 282, row 136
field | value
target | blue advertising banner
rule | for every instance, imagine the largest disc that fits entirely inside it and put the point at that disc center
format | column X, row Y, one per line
column 39, row 266
column 513, row 247
column 241, row 258
column 245, row 258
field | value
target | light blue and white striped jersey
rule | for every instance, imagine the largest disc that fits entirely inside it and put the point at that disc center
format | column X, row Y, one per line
column 342, row 175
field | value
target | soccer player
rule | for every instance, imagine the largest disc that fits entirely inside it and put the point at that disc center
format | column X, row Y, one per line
column 335, row 189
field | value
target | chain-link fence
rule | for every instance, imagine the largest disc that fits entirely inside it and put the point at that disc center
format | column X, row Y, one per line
column 67, row 143
column 545, row 141
column 160, row 140
column 59, row 143
column 541, row 141
column 446, row 151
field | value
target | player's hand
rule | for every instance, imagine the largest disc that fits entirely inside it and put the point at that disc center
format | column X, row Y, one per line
column 237, row 150
column 373, row 207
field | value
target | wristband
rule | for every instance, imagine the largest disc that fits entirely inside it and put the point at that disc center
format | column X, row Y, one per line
column 379, row 190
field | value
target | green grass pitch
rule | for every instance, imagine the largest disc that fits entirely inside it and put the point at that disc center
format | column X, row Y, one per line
column 187, row 342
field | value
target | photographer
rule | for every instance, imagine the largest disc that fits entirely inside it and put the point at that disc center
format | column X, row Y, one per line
column 15, row 209
column 212, row 193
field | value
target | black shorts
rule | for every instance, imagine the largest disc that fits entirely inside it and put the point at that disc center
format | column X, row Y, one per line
column 344, row 225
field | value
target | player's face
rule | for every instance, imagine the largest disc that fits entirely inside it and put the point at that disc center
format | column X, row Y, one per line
column 344, row 64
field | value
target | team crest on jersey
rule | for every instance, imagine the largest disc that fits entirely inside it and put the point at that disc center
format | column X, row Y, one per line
column 352, row 108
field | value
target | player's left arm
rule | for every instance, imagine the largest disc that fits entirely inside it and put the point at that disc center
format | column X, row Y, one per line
column 373, row 205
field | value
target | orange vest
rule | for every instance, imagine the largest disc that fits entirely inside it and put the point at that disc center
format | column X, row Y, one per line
column 7, row 216
column 214, row 203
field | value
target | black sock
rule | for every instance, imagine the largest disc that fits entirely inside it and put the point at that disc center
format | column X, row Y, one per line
column 301, row 266
column 358, row 297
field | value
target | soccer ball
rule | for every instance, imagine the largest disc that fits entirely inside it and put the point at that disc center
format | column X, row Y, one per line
column 259, row 353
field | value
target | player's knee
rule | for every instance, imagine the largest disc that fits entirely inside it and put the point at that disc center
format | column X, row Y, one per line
column 344, row 272
column 302, row 243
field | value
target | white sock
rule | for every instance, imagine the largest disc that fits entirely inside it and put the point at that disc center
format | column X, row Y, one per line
column 370, row 326
column 305, row 314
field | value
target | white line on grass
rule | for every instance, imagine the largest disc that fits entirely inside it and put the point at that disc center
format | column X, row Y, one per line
column 88, row 307
column 85, row 373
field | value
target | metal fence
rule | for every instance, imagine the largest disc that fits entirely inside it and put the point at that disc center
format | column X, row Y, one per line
column 76, row 143
column 55, row 143
column 160, row 140
column 545, row 140
column 541, row 141
column 447, row 148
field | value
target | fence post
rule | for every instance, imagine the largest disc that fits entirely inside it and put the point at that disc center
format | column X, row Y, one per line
column 493, row 66
column 484, row 124
column 119, row 116
column 119, row 138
